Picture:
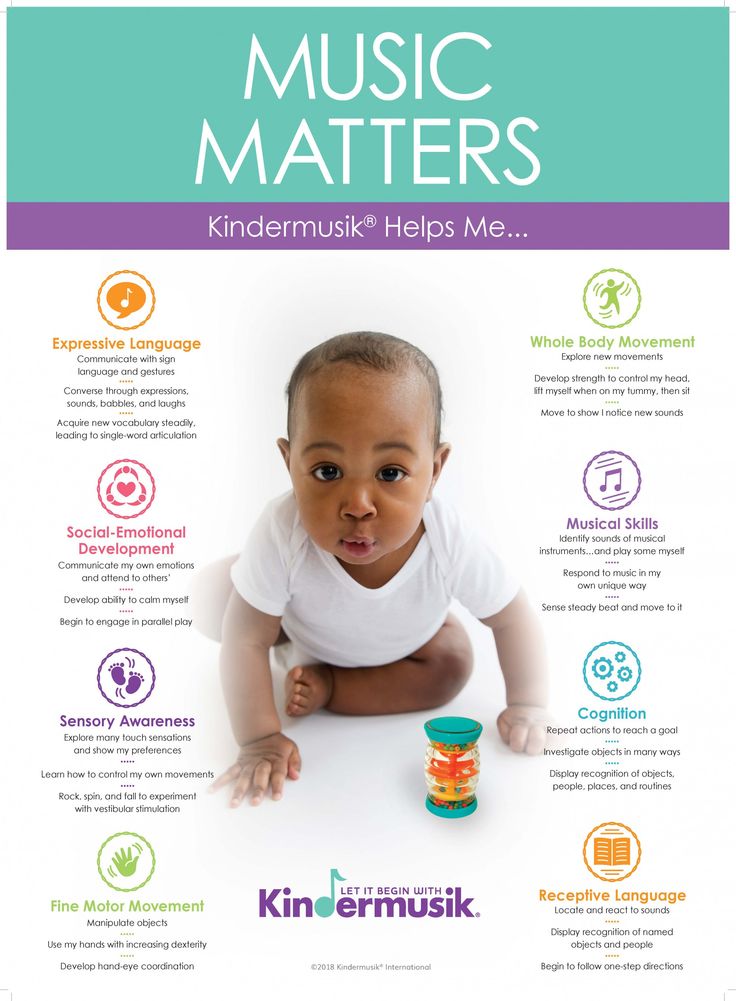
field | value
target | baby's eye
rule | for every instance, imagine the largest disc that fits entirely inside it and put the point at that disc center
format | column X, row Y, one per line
column 391, row 474
column 327, row 473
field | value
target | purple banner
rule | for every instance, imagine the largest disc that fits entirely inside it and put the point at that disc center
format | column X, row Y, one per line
column 358, row 226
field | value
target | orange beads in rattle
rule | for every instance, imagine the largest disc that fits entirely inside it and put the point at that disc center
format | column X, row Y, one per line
column 452, row 765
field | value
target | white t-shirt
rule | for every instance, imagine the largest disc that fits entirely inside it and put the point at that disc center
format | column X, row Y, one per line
column 338, row 621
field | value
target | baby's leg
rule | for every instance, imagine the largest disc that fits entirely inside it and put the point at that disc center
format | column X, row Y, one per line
column 429, row 677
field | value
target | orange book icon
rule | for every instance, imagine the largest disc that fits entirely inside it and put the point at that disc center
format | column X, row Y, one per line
column 611, row 851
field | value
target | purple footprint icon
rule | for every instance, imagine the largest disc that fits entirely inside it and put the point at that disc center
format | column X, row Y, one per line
column 123, row 675
column 117, row 673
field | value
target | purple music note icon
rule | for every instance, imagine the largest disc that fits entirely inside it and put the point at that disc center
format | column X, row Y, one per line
column 611, row 472
column 612, row 480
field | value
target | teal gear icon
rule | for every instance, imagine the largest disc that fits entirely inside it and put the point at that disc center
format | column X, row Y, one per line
column 612, row 671
column 602, row 667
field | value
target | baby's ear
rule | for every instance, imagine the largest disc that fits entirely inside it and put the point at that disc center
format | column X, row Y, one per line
column 285, row 449
column 440, row 458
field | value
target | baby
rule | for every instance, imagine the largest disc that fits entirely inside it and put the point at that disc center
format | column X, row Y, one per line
column 357, row 566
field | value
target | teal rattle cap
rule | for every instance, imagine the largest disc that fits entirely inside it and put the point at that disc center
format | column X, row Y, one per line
column 453, row 730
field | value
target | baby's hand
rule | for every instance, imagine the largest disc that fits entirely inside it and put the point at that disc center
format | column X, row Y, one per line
column 524, row 728
column 261, row 763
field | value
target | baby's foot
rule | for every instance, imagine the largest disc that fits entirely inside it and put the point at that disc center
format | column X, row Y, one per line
column 134, row 682
column 117, row 673
column 307, row 689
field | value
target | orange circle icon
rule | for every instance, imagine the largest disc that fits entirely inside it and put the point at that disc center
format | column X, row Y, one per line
column 612, row 852
column 126, row 300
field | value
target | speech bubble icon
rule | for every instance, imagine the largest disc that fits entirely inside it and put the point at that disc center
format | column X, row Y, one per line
column 125, row 298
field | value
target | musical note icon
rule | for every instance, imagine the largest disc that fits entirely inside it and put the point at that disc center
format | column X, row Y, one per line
column 611, row 472
column 612, row 480
column 125, row 294
column 324, row 906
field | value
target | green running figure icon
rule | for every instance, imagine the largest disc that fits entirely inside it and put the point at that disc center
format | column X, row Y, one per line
column 611, row 298
column 611, row 291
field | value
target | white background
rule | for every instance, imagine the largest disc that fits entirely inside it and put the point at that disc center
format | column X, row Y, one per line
column 359, row 804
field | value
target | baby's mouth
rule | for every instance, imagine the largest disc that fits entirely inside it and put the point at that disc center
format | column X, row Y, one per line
column 357, row 546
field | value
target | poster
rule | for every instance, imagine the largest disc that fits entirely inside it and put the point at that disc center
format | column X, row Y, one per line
column 537, row 199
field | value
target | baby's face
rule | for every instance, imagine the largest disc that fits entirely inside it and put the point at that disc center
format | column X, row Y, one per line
column 363, row 462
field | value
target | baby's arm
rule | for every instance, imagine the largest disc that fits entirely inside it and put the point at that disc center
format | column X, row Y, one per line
column 520, row 647
column 266, row 756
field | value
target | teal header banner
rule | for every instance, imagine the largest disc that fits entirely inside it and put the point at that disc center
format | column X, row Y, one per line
column 368, row 104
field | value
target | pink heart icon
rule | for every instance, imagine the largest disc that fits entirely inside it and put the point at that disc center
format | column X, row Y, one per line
column 126, row 489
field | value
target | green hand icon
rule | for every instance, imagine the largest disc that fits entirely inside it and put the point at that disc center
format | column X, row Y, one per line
column 118, row 861
column 125, row 861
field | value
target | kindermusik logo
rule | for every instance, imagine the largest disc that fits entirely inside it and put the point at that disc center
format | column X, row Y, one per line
column 368, row 901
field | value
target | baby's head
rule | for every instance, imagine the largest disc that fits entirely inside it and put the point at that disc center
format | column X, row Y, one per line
column 368, row 351
column 364, row 450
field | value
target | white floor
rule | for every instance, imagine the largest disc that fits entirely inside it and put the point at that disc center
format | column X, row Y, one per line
column 359, row 808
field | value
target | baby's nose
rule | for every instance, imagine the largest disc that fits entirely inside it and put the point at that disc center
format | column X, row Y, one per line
column 358, row 502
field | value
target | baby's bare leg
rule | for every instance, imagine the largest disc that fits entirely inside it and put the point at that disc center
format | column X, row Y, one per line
column 430, row 677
